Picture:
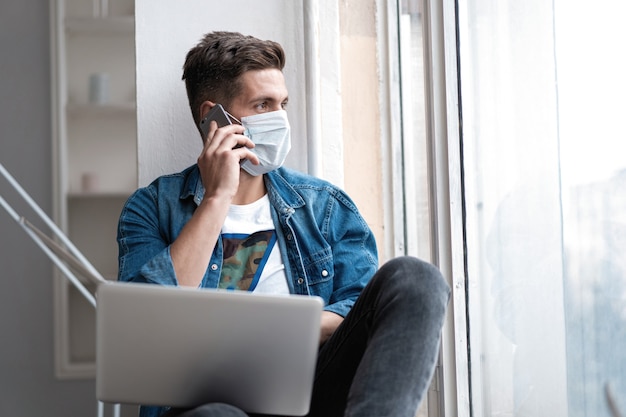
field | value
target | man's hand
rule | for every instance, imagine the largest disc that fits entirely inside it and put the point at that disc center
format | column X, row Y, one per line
column 330, row 322
column 219, row 162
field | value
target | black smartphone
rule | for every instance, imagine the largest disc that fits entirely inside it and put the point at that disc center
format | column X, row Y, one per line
column 218, row 114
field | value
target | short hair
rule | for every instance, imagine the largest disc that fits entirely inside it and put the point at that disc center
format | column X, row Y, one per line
column 213, row 68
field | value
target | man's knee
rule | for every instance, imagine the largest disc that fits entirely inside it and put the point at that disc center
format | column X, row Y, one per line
column 215, row 410
column 416, row 279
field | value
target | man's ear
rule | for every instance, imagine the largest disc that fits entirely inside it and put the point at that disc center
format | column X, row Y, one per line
column 205, row 107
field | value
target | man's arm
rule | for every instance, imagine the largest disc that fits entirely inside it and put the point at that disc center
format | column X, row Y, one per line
column 219, row 165
column 147, row 253
column 330, row 322
column 191, row 251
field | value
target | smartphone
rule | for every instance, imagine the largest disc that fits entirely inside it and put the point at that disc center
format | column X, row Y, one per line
column 218, row 114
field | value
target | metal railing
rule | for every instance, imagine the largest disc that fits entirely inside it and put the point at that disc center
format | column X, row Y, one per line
column 63, row 253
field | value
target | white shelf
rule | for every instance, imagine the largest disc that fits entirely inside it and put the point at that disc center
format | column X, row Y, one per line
column 100, row 26
column 101, row 110
column 90, row 195
column 96, row 157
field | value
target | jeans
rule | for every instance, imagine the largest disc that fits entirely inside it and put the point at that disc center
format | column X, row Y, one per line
column 380, row 360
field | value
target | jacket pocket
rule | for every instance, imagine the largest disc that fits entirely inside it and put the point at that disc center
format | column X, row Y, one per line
column 319, row 268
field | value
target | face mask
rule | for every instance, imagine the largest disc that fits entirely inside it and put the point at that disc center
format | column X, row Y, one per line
column 271, row 135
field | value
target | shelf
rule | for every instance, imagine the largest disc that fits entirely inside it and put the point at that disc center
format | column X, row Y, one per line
column 100, row 26
column 84, row 195
column 97, row 110
column 96, row 152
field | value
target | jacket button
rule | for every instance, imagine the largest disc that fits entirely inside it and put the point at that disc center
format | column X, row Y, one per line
column 289, row 236
column 300, row 281
column 214, row 267
column 324, row 273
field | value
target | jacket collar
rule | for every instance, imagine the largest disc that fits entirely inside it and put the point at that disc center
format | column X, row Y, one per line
column 193, row 185
column 280, row 192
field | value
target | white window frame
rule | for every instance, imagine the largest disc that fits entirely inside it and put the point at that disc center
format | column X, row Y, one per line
column 445, row 131
column 444, row 134
column 449, row 236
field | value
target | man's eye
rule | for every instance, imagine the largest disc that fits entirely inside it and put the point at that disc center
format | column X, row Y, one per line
column 284, row 105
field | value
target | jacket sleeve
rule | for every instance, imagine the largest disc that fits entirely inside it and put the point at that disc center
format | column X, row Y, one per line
column 144, row 250
column 355, row 256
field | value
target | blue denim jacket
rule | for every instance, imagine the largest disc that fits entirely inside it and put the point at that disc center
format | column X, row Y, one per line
column 327, row 248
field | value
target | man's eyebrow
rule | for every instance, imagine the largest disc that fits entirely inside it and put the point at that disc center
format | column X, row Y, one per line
column 268, row 98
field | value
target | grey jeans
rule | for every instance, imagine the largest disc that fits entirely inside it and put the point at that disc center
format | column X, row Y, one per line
column 380, row 360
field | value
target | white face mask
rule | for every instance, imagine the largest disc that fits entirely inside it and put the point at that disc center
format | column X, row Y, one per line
column 271, row 135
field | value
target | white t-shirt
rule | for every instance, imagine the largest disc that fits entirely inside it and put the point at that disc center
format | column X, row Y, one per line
column 252, row 260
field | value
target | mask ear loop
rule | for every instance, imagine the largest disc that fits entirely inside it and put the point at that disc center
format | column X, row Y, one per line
column 233, row 117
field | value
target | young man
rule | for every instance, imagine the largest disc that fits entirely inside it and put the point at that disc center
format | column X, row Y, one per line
column 380, row 329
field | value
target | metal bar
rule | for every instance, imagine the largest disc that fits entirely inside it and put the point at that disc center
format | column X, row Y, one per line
column 66, row 271
column 44, row 217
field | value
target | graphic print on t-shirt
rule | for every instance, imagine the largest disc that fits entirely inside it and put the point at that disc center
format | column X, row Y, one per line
column 245, row 257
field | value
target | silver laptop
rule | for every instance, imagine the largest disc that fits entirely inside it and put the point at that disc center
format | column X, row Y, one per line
column 183, row 347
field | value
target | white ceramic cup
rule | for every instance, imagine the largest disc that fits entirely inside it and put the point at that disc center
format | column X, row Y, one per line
column 99, row 86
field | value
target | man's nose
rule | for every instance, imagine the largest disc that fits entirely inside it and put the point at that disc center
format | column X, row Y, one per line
column 275, row 107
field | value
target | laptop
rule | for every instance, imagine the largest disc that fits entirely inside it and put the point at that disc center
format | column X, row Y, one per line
column 183, row 347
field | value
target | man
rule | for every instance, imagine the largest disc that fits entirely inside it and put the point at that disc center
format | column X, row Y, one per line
column 380, row 329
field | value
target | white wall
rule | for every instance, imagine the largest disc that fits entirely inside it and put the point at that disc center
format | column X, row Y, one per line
column 165, row 30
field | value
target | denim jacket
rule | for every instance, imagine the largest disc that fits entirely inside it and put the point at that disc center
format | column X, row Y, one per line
column 327, row 248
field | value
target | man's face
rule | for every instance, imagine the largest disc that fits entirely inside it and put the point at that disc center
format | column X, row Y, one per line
column 262, row 91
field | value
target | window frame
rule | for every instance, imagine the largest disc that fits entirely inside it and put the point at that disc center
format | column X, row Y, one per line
column 444, row 130
column 444, row 135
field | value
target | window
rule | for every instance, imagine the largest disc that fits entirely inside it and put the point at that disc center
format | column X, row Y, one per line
column 545, row 180
column 431, row 205
column 415, row 159
column 415, row 143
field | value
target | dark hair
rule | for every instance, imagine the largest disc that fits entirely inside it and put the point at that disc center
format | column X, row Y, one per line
column 214, row 66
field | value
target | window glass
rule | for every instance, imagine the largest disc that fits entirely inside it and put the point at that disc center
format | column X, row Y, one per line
column 415, row 144
column 545, row 196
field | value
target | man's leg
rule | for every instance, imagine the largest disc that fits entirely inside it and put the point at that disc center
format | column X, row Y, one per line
column 379, row 362
column 207, row 410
